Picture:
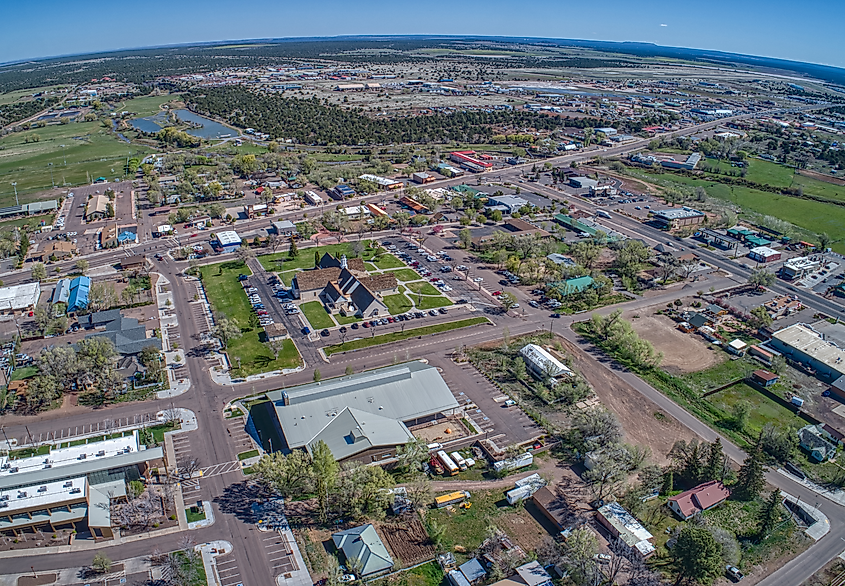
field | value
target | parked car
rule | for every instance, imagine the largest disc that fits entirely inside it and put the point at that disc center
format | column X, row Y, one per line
column 734, row 573
column 324, row 333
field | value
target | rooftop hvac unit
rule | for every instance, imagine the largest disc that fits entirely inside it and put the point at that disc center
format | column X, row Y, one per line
column 68, row 484
column 22, row 494
column 4, row 505
column 42, row 489
column 101, row 453
column 82, row 456
column 4, row 497
column 75, row 491
column 13, row 470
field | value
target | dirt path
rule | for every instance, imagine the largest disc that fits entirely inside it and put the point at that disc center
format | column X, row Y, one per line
column 643, row 422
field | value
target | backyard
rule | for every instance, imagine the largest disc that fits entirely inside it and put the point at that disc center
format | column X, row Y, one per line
column 761, row 409
column 248, row 355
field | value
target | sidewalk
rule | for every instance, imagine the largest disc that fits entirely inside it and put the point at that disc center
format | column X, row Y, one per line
column 820, row 527
column 173, row 357
column 209, row 552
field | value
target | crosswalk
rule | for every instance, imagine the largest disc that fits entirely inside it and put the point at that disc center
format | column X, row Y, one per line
column 224, row 468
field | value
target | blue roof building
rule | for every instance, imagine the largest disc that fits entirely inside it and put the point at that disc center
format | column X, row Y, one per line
column 78, row 297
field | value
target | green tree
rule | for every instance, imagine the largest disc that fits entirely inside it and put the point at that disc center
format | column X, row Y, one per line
column 413, row 454
column 750, row 478
column 714, row 469
column 760, row 317
column 326, row 472
column 769, row 515
column 465, row 238
column 82, row 266
column 362, row 492
column 698, row 557
column 316, row 258
column 317, row 376
column 579, row 555
column 225, row 330
column 761, row 278
column 38, row 272
column 293, row 251
column 101, row 563
column 508, row 300
column 288, row 475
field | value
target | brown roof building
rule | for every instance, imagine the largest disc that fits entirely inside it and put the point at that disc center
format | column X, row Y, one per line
column 554, row 507
column 701, row 498
column 55, row 250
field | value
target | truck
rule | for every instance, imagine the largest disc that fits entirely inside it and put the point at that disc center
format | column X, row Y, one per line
column 459, row 460
column 449, row 466
column 452, row 498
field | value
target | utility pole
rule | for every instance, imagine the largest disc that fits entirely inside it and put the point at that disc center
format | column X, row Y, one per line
column 15, row 185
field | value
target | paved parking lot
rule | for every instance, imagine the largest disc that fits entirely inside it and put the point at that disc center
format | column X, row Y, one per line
column 227, row 569
column 279, row 552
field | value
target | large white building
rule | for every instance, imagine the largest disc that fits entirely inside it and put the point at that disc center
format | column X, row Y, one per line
column 69, row 488
column 17, row 297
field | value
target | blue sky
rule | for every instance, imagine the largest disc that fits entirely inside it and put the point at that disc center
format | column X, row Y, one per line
column 801, row 31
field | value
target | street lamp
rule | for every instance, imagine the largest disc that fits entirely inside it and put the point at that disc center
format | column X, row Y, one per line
column 15, row 185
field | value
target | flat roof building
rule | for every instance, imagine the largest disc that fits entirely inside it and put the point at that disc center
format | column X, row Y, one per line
column 809, row 347
column 677, row 217
column 15, row 297
column 382, row 182
column 626, row 527
column 763, row 254
column 363, row 416
column 228, row 240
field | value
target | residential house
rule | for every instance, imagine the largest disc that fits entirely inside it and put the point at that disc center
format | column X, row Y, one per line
column 833, row 434
column 55, row 250
column 764, row 378
column 553, row 506
column 812, row 438
column 701, row 498
column 622, row 524
column 737, row 347
column 363, row 545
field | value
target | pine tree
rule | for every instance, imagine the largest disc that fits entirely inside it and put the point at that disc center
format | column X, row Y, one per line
column 750, row 479
column 293, row 251
column 668, row 483
column 316, row 259
column 769, row 514
column 715, row 466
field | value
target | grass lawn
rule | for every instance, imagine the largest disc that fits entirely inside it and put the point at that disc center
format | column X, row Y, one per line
column 248, row 455
column 316, row 315
column 428, row 574
column 147, row 105
column 42, row 450
column 88, row 147
column 31, row 222
column 399, row 336
column 194, row 517
column 388, row 261
column 433, row 302
column 349, row 319
column 762, row 410
column 397, row 303
column 721, row 374
column 25, row 372
column 422, row 287
column 227, row 297
column 280, row 261
column 405, row 275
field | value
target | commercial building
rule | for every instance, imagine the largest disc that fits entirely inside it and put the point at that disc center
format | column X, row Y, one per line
column 622, row 524
column 448, row 170
column 579, row 182
column 364, row 545
column 228, row 240
column 803, row 344
column 423, row 178
column 117, row 235
column 541, row 363
column 471, row 160
column 342, row 191
column 677, row 217
column 357, row 212
column 70, row 488
column 690, row 163
column 55, row 250
column 127, row 335
column 382, row 182
column 253, row 210
column 133, row 263
column 763, row 254
column 364, row 416
column 36, row 207
column 313, row 198
column 607, row 131
column 701, row 498
column 509, row 203
column 15, row 297
column 572, row 286
column 798, row 267
column 283, row 228
column 98, row 208
column 74, row 292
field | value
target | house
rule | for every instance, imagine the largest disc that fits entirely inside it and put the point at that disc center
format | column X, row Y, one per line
column 833, row 434
column 55, row 250
column 530, row 574
column 762, row 355
column 554, row 507
column 473, row 571
column 737, row 347
column 701, row 498
column 812, row 438
column 699, row 320
column 364, row 416
column 283, row 228
column 714, row 312
column 764, row 378
column 127, row 334
column 365, row 546
column 275, row 332
column 622, row 524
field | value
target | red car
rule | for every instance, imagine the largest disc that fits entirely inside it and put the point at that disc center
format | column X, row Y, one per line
column 366, row 324
column 434, row 279
column 496, row 293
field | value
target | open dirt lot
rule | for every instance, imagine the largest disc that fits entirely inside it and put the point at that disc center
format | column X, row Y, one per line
column 682, row 353
column 643, row 422
column 437, row 432
column 408, row 541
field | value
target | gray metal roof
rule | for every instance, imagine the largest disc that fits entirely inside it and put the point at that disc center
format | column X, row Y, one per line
column 402, row 393
column 354, row 431
column 364, row 544
column 82, row 468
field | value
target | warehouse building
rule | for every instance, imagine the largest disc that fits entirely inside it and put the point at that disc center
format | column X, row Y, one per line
column 363, row 416
column 382, row 182
column 812, row 349
column 71, row 488
column 16, row 297
column 677, row 217
column 763, row 254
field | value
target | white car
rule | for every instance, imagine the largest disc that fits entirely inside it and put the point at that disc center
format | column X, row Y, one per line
column 478, row 279
column 445, row 288
column 347, row 578
column 431, row 258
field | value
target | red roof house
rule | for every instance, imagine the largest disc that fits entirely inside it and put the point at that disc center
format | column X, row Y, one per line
column 702, row 497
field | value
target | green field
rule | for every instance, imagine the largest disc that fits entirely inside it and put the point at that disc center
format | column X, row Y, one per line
column 316, row 315
column 30, row 221
column 10, row 97
column 432, row 302
column 813, row 216
column 468, row 527
column 192, row 516
column 388, row 261
column 399, row 336
column 146, row 105
column 227, row 297
column 88, row 148
column 762, row 410
column 280, row 261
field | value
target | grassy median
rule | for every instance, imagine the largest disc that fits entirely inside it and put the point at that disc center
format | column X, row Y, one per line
column 399, row 336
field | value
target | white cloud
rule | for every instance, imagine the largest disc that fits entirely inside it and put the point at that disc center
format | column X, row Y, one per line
column 664, row 25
